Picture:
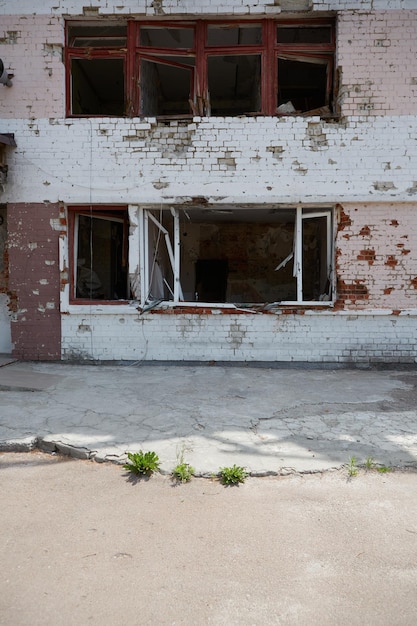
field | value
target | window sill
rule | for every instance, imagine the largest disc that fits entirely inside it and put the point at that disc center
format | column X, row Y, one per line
column 133, row 307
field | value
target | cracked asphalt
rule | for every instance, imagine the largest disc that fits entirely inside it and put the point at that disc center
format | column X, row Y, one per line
column 271, row 420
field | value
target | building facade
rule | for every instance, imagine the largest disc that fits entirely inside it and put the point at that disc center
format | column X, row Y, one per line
column 222, row 180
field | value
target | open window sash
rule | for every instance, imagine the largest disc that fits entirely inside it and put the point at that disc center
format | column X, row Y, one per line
column 314, row 276
column 159, row 258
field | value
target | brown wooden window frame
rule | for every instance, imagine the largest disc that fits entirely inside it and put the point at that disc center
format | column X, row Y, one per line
column 197, row 57
column 113, row 213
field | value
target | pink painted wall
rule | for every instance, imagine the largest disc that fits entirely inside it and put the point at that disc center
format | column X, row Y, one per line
column 31, row 48
column 377, row 54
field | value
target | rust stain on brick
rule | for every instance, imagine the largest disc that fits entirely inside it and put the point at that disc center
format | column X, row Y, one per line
column 391, row 261
column 396, row 312
column 367, row 255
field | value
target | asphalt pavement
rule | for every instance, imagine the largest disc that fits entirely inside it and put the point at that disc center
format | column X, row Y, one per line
column 83, row 543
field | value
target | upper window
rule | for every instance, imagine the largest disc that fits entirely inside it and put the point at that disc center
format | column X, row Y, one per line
column 176, row 69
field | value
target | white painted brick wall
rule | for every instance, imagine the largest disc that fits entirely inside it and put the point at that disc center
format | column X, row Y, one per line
column 328, row 337
column 276, row 160
column 180, row 7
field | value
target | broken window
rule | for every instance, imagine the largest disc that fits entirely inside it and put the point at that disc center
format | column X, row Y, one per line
column 240, row 256
column 234, row 84
column 97, row 62
column 100, row 252
column 205, row 68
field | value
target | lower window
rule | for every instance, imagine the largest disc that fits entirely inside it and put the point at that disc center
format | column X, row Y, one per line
column 99, row 253
column 240, row 256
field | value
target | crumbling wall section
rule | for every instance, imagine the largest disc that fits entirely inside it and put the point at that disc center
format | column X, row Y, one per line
column 34, row 279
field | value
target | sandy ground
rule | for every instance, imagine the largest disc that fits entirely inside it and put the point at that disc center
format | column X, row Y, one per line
column 83, row 544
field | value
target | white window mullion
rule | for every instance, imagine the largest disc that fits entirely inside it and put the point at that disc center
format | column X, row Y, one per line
column 75, row 268
column 298, row 260
column 329, row 255
column 143, row 251
column 177, row 284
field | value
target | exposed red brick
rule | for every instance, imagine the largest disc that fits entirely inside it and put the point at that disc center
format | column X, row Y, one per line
column 350, row 291
column 387, row 291
column 365, row 231
column 293, row 311
column 345, row 220
column 391, row 261
column 405, row 251
column 396, row 312
column 367, row 255
column 394, row 223
column 413, row 281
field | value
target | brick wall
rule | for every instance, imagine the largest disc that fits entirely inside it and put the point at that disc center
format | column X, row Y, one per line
column 274, row 160
column 34, row 280
column 376, row 261
column 377, row 54
column 31, row 48
column 327, row 337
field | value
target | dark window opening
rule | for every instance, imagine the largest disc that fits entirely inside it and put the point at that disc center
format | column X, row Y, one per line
column 166, row 85
column 234, row 84
column 304, row 34
column 303, row 84
column 160, row 37
column 315, row 261
column 97, row 36
column 234, row 35
column 100, row 255
column 237, row 253
column 97, row 87
column 211, row 280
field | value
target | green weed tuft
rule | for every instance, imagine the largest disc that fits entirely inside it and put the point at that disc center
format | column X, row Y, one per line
column 142, row 462
column 233, row 475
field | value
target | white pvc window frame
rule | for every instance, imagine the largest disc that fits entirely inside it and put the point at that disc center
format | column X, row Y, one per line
column 298, row 260
column 173, row 250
